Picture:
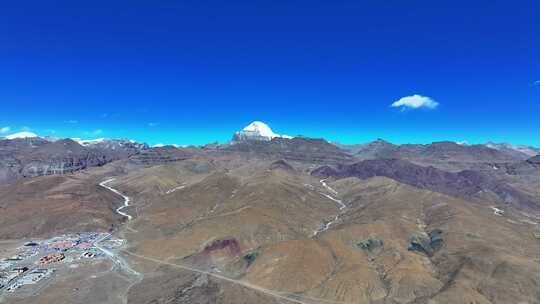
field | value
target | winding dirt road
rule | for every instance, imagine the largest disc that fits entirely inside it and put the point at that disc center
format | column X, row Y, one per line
column 342, row 207
column 126, row 198
column 279, row 295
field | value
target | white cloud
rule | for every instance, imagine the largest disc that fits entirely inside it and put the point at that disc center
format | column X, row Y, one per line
column 415, row 102
column 153, row 124
column 5, row 130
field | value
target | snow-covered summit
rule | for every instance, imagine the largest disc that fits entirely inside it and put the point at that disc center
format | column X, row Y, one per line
column 260, row 128
column 256, row 130
column 24, row 134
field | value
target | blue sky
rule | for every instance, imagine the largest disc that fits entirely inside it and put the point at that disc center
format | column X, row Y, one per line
column 193, row 72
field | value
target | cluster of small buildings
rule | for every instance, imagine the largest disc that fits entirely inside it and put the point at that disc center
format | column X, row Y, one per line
column 32, row 262
column 51, row 258
column 7, row 276
column 23, row 254
column 17, row 270
column 71, row 243
column 13, row 266
column 29, row 277
column 91, row 254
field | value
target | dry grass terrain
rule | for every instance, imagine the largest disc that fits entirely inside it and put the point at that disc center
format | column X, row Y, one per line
column 231, row 229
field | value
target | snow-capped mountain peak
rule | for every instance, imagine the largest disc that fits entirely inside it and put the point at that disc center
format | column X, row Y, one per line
column 261, row 129
column 24, row 134
column 256, row 130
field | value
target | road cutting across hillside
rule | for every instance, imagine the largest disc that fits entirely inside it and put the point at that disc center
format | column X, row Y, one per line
column 342, row 207
column 276, row 294
column 126, row 198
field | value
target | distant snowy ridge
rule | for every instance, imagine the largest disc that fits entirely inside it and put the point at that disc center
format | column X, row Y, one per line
column 101, row 141
column 528, row 150
column 24, row 134
column 112, row 144
column 257, row 131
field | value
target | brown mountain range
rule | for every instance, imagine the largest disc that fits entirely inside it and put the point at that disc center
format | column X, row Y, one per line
column 292, row 221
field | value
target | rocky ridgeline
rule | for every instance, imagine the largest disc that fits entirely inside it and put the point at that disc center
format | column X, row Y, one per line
column 259, row 140
column 437, row 151
column 302, row 149
column 166, row 154
column 31, row 157
column 465, row 183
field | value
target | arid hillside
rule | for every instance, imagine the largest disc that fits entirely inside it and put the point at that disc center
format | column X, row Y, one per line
column 245, row 232
column 225, row 226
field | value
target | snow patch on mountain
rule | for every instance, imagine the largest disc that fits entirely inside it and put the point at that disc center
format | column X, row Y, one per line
column 130, row 146
column 88, row 142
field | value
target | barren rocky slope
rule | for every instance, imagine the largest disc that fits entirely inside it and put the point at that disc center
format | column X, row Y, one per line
column 31, row 157
column 445, row 155
column 466, row 183
column 303, row 149
column 393, row 243
column 50, row 205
